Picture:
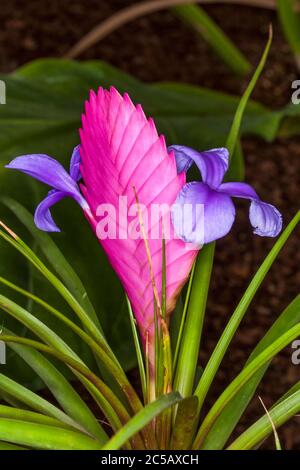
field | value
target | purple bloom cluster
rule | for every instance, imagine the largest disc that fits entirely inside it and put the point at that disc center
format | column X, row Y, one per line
column 216, row 198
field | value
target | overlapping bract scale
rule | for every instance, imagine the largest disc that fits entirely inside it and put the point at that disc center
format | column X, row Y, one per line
column 123, row 155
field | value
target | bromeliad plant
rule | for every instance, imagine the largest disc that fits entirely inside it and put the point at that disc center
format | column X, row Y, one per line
column 121, row 156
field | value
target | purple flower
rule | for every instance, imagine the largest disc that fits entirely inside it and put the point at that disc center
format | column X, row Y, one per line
column 215, row 197
column 51, row 172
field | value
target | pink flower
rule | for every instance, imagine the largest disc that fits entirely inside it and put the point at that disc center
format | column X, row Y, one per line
column 122, row 159
column 122, row 154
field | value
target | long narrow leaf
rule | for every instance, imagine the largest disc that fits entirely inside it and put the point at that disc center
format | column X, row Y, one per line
column 138, row 350
column 55, row 257
column 34, row 401
column 290, row 22
column 234, row 322
column 276, row 437
column 235, row 129
column 61, row 389
column 246, row 374
column 51, row 338
column 141, row 419
column 189, row 351
column 89, row 325
column 216, row 38
column 185, row 371
column 226, row 422
column 106, row 361
column 40, row 436
column 115, row 412
column 30, row 416
column 185, row 424
column 280, row 414
column 8, row 446
column 182, row 319
column 63, row 269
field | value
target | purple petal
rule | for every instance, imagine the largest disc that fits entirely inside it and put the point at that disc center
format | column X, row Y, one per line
column 42, row 217
column 242, row 190
column 75, row 164
column 183, row 160
column 212, row 164
column 265, row 218
column 211, row 217
column 45, row 169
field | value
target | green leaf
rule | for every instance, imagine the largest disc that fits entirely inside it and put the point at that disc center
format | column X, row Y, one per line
column 236, row 170
column 245, row 375
column 185, row 424
column 121, row 382
column 214, row 35
column 236, row 318
column 280, row 414
column 55, row 257
column 139, row 354
column 276, row 437
column 7, row 446
column 109, row 403
column 41, row 436
column 190, row 343
column 61, row 389
column 141, row 419
column 226, row 422
column 235, row 128
column 60, row 265
column 89, row 325
column 64, row 292
column 178, row 319
column 52, row 339
column 30, row 416
column 125, row 389
column 290, row 22
column 35, row 402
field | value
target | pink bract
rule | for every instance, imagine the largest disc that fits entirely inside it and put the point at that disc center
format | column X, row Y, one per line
column 121, row 150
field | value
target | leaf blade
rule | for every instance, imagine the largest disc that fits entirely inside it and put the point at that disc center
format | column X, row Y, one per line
column 280, row 414
column 141, row 419
column 236, row 318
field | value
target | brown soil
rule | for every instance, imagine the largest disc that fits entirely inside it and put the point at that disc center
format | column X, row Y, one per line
column 160, row 47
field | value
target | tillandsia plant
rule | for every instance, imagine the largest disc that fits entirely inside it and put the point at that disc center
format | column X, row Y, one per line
column 158, row 232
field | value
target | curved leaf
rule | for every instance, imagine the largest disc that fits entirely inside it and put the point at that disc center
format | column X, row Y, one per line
column 141, row 419
column 241, row 379
column 34, row 401
column 236, row 318
column 117, row 372
column 226, row 422
column 41, row 436
column 30, row 416
column 55, row 257
column 279, row 414
column 195, row 16
column 110, row 404
column 61, row 389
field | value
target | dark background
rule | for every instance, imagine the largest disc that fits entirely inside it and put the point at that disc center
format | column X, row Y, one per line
column 160, row 47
